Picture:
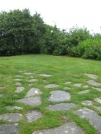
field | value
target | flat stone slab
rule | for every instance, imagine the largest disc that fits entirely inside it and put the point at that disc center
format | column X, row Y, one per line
column 33, row 92
column 19, row 89
column 77, row 84
column 61, row 106
column 68, row 128
column 84, row 92
column 59, row 96
column 18, row 84
column 1, row 95
column 9, row 128
column 32, row 101
column 28, row 73
column 18, row 79
column 33, row 80
column 45, row 75
column 66, row 88
column 87, row 103
column 13, row 107
column 68, row 82
column 98, row 100
column 93, row 76
column 94, row 83
column 12, row 117
column 91, row 116
column 33, row 116
column 98, row 89
column 51, row 86
column 98, row 108
column 85, row 86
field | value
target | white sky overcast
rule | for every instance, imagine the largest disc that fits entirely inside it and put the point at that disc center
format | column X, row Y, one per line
column 64, row 13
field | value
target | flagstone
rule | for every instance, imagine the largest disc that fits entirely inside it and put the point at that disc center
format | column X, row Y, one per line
column 28, row 73
column 68, row 128
column 18, row 79
column 51, row 86
column 66, row 88
column 59, row 95
column 13, row 107
column 1, row 95
column 68, row 82
column 33, row 80
column 32, row 101
column 33, row 91
column 98, row 89
column 77, row 84
column 9, row 128
column 91, row 116
column 19, row 89
column 87, row 103
column 93, row 76
column 94, row 83
column 12, row 117
column 18, row 84
column 85, row 86
column 45, row 75
column 98, row 108
column 98, row 100
column 33, row 116
column 84, row 92
column 61, row 106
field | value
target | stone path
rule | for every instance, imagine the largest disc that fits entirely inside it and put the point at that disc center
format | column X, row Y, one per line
column 60, row 98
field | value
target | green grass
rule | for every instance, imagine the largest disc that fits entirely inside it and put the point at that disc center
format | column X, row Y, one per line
column 62, row 69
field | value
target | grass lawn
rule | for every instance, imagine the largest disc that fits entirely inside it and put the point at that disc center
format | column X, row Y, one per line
column 63, row 69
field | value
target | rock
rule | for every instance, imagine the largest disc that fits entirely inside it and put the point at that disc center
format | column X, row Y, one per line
column 98, row 89
column 13, row 107
column 28, row 73
column 68, row 128
column 83, row 92
column 33, row 92
column 12, row 117
column 18, row 84
column 85, row 86
column 1, row 95
column 61, row 106
column 68, row 82
column 91, row 116
column 93, row 76
column 77, row 84
column 66, row 88
column 94, row 83
column 45, row 75
column 32, row 101
column 19, row 89
column 59, row 96
column 51, row 86
column 87, row 103
column 98, row 108
column 9, row 128
column 33, row 116
column 33, row 80
column 18, row 79
column 98, row 100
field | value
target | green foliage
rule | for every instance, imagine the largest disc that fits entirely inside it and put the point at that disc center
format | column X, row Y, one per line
column 90, row 48
column 19, row 32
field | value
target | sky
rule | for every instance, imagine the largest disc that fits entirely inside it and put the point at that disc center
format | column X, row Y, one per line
column 63, row 13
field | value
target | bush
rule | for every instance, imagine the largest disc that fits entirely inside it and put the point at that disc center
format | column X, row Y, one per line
column 90, row 48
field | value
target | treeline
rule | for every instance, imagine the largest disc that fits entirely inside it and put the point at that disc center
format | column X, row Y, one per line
column 22, row 33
